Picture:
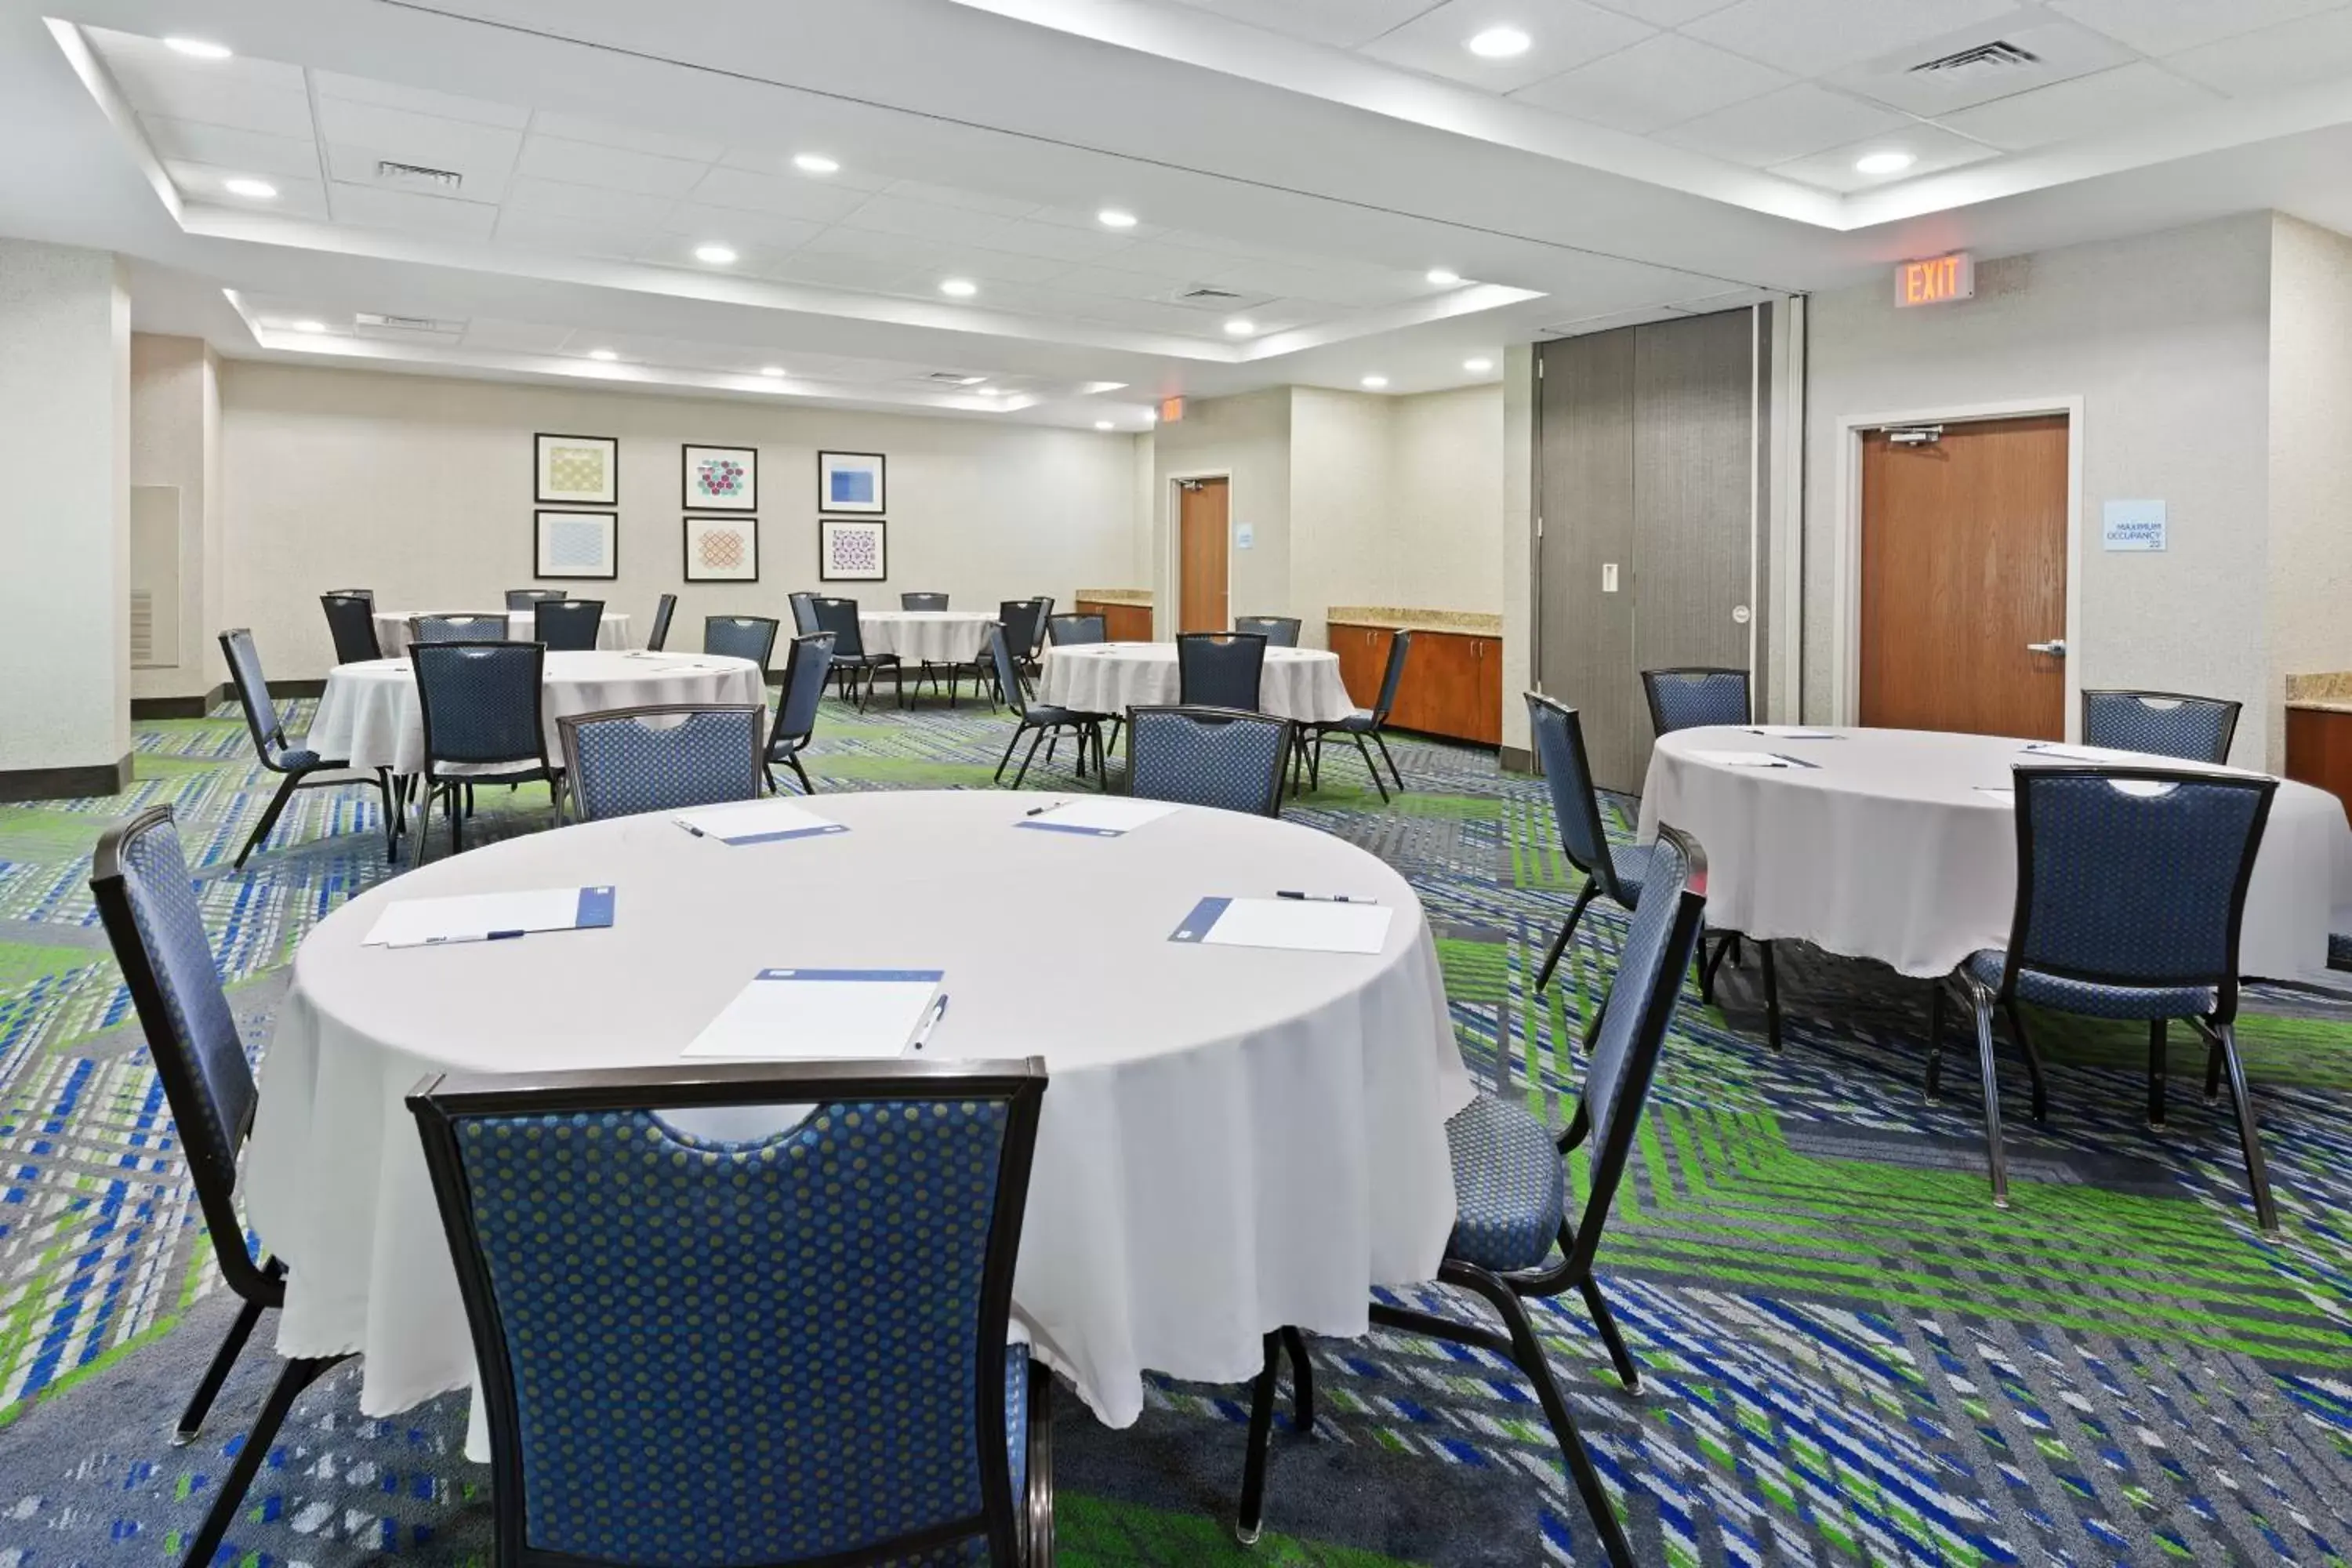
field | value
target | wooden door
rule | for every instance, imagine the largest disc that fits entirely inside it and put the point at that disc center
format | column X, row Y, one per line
column 1963, row 567
column 1204, row 536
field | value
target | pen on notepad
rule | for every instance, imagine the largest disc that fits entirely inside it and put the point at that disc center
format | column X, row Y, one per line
column 1041, row 810
column 689, row 827
column 1322, row 897
column 470, row 936
column 939, row 1011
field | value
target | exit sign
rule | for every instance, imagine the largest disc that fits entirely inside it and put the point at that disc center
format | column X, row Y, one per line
column 1172, row 409
column 1937, row 280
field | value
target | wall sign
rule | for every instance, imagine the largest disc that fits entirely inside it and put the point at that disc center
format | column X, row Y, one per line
column 1938, row 281
column 1244, row 536
column 2133, row 525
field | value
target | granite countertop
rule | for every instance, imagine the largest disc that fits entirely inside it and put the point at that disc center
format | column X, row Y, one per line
column 1114, row 596
column 1462, row 623
column 2328, row 693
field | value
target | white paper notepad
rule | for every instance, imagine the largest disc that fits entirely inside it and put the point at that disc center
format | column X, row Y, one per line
column 755, row 821
column 488, row 917
column 1300, row 925
column 1792, row 732
column 1098, row 816
column 791, row 1014
column 1745, row 759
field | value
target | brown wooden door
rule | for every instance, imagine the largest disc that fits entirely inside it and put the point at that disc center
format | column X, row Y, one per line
column 1963, row 565
column 1204, row 537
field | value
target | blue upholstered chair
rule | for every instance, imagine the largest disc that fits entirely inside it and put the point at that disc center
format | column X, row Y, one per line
column 659, row 638
column 568, row 625
column 1076, row 631
column 1209, row 756
column 458, row 625
column 521, row 600
column 148, row 905
column 1512, row 1239
column 805, row 668
column 481, row 703
column 663, row 758
column 1039, row 722
column 803, row 614
column 298, row 767
column 1220, row 669
column 837, row 617
column 2163, row 724
column 1025, row 622
column 1695, row 698
column 2131, row 888
column 1279, row 631
column 922, row 601
column 350, row 621
column 789, row 1347
column 740, row 636
column 1364, row 725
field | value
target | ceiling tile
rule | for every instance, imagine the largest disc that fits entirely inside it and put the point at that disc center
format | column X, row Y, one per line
column 1666, row 13
column 824, row 270
column 482, row 153
column 733, row 225
column 1345, row 23
column 608, row 168
column 2168, row 26
column 1814, row 38
column 2080, row 108
column 627, row 138
column 574, row 233
column 515, row 337
column 999, row 266
column 1029, row 237
column 1659, row 81
column 1932, row 149
column 556, row 198
column 2062, row 49
column 1566, row 34
column 753, row 161
column 1793, row 122
column 1115, row 285
column 419, row 101
column 787, row 195
column 133, row 54
column 1158, row 258
column 373, row 207
column 897, row 250
column 2290, row 55
column 271, row 111
column 296, row 197
column 927, row 220
column 226, row 148
column 678, row 250
column 953, row 197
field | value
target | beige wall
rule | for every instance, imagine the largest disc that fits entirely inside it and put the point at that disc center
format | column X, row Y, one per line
column 1451, row 478
column 421, row 488
column 1515, row 547
column 2310, row 455
column 1247, row 438
column 175, row 441
column 1343, row 503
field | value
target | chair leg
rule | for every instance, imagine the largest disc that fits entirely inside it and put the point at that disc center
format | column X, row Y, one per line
column 1030, row 756
column 1302, row 1379
column 232, row 1345
column 1988, row 1068
column 1606, row 1321
column 1771, row 997
column 1383, row 743
column 2258, row 1176
column 2033, row 1061
column 1000, row 762
column 298, row 1375
column 1706, row 975
column 269, row 818
column 1567, row 929
column 1372, row 768
column 1039, row 1504
column 2156, row 1066
column 1252, row 1514
column 424, row 827
column 1935, row 1038
column 2212, row 1071
column 800, row 773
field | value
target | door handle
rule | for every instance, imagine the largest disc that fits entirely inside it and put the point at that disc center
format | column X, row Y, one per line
column 2055, row 647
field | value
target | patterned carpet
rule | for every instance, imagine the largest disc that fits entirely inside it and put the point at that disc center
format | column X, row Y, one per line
column 1850, row 1356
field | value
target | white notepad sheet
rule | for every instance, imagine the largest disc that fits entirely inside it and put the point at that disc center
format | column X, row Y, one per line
column 792, row 1014
column 418, row 923
column 1792, row 732
column 1301, row 925
column 755, row 821
column 1744, row 759
column 1105, row 814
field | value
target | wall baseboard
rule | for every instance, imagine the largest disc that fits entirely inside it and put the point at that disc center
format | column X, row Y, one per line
column 287, row 688
column 1517, row 759
column 177, row 707
column 60, row 784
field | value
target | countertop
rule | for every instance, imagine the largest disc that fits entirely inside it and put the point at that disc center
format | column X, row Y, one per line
column 1113, row 596
column 1462, row 623
column 2327, row 693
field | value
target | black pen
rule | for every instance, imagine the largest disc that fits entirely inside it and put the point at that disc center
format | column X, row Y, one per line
column 1322, row 897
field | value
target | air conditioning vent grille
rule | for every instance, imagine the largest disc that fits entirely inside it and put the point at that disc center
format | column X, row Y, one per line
column 1209, row 292
column 1999, row 55
column 418, row 177
column 404, row 324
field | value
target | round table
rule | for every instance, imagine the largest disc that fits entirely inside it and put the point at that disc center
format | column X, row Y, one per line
column 1901, row 845
column 1301, row 683
column 392, row 629
column 925, row 636
column 1233, row 1139
column 369, row 712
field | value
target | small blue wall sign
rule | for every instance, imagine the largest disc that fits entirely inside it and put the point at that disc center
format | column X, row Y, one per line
column 2133, row 525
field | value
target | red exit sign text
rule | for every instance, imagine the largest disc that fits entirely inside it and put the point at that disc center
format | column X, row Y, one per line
column 1937, row 280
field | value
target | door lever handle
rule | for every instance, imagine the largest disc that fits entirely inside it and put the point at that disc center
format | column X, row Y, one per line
column 2055, row 647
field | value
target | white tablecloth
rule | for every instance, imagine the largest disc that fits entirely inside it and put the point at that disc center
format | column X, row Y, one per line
column 920, row 636
column 392, row 629
column 1300, row 683
column 369, row 712
column 1233, row 1139
column 1890, row 849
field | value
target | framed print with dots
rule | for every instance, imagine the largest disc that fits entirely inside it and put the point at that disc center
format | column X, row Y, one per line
column 851, row 550
column 578, row 470
column 723, row 549
column 722, row 479
column 576, row 544
column 851, row 481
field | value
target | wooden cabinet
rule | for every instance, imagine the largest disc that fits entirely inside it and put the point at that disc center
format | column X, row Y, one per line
column 1122, row 623
column 2319, row 749
column 1453, row 683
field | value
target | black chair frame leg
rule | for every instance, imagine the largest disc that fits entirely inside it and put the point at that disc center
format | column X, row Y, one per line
column 2032, row 1054
column 299, row 1375
column 1250, row 1518
column 1771, row 997
column 1628, row 1373
column 1381, row 741
column 276, row 808
column 1935, row 1040
column 2224, row 1041
column 1987, row 1067
column 2157, row 1048
column 232, row 1345
column 1567, row 929
column 1371, row 766
column 1007, row 758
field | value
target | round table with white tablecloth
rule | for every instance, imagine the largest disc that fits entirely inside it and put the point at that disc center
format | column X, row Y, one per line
column 925, row 636
column 1301, row 683
column 1233, row 1139
column 522, row 625
column 1901, row 845
column 369, row 712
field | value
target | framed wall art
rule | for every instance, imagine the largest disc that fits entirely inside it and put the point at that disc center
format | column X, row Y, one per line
column 576, row 544
column 851, row 550
column 850, row 481
column 578, row 470
column 723, row 549
column 722, row 479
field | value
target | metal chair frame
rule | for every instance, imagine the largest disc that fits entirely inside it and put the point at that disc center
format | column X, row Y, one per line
column 449, row 790
column 1087, row 727
column 266, row 741
column 850, row 658
column 1391, row 674
column 2230, row 711
column 657, row 639
column 783, row 745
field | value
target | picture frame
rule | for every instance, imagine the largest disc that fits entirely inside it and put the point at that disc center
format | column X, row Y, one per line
column 852, row 482
column 723, row 549
column 851, row 550
column 575, row 544
column 720, row 478
column 576, row 470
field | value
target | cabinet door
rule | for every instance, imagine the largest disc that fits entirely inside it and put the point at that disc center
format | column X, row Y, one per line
column 1363, row 653
column 1484, row 722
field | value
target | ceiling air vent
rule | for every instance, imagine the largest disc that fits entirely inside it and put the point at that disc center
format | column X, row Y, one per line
column 404, row 324
column 953, row 378
column 418, row 177
column 1999, row 55
column 1209, row 294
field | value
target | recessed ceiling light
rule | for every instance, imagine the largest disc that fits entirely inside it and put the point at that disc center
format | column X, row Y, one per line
column 815, row 163
column 987, row 392
column 1499, row 44
column 1477, row 367
column 972, row 381
column 1105, row 425
column 602, row 353
column 1884, row 162
column 716, row 254
column 1111, row 218
column 308, row 325
column 1374, row 383
column 1240, row 327
column 198, row 48
column 1444, row 277
column 771, row 370
column 260, row 190
column 959, row 288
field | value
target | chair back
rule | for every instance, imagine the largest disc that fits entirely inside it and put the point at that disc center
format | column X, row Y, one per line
column 805, row 613
column 480, row 701
column 798, row 1338
column 1219, row 757
column 667, row 758
column 1279, row 631
column 1220, row 669
column 658, row 638
column 1008, row 672
column 740, row 636
column 521, row 600
column 2135, row 877
column 350, row 621
column 1399, row 645
column 806, row 666
column 568, row 625
column 253, row 693
column 1074, row 631
column 922, row 601
column 2165, row 723
column 839, row 617
column 367, row 593
column 147, row 902
column 1669, row 914
column 1558, row 732
column 1695, row 697
column 1024, row 624
column 458, row 627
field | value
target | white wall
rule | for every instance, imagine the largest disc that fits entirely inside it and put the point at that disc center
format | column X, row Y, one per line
column 1247, row 438
column 1343, row 503
column 65, row 508
column 1442, row 550
column 422, row 489
column 2310, row 455
column 175, row 441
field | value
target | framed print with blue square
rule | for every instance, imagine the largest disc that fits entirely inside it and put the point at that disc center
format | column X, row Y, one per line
column 850, row 481
column 578, row 470
column 851, row 550
column 722, row 479
column 723, row 549
column 577, row 544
